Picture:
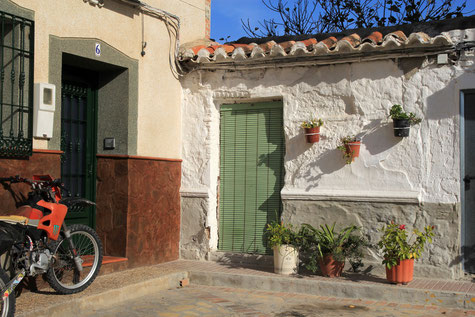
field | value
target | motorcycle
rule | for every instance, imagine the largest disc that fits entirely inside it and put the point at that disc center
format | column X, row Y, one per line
column 38, row 241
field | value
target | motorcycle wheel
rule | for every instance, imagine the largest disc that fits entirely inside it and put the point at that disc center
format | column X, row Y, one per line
column 7, row 306
column 63, row 276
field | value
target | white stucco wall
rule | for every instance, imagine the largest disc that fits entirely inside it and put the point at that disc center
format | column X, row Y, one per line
column 352, row 99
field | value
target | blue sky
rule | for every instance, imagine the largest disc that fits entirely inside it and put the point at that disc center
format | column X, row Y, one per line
column 226, row 16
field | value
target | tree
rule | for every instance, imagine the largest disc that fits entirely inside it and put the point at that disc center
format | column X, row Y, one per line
column 322, row 16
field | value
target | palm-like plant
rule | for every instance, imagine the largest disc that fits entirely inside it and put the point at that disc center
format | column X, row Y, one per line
column 343, row 244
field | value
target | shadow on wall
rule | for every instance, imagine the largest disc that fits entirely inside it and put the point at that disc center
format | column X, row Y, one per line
column 328, row 162
column 467, row 257
column 16, row 193
column 376, row 131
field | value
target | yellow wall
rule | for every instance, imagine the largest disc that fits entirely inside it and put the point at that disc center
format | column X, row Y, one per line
column 120, row 25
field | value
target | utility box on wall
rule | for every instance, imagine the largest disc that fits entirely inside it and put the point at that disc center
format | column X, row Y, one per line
column 44, row 107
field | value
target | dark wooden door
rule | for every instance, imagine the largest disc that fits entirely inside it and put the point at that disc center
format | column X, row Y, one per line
column 468, row 225
column 78, row 141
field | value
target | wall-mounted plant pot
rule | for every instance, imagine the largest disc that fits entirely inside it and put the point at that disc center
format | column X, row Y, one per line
column 330, row 267
column 312, row 134
column 402, row 127
column 401, row 273
column 353, row 149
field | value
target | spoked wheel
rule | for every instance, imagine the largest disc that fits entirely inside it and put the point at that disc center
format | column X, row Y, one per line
column 63, row 276
column 7, row 306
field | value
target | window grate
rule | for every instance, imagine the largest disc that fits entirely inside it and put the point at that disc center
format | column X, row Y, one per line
column 16, row 85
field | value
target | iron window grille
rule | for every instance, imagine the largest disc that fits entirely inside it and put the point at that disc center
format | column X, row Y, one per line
column 16, row 85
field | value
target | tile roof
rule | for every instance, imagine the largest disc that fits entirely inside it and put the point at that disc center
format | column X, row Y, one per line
column 330, row 46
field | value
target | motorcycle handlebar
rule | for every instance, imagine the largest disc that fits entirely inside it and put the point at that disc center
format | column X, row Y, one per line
column 17, row 179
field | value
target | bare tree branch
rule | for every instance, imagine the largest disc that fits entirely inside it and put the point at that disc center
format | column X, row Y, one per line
column 318, row 16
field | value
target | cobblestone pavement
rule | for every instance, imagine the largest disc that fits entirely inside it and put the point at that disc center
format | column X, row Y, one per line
column 207, row 301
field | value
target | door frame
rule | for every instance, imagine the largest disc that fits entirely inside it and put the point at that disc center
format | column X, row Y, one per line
column 462, row 170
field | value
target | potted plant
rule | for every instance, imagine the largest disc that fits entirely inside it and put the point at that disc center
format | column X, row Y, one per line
column 312, row 130
column 402, row 121
column 399, row 250
column 350, row 146
column 283, row 239
column 327, row 249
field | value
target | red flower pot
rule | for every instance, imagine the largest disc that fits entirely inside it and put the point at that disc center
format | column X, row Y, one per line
column 401, row 273
column 353, row 149
column 312, row 134
column 330, row 267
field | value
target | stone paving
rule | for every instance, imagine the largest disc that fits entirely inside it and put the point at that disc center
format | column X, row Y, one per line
column 212, row 301
column 46, row 301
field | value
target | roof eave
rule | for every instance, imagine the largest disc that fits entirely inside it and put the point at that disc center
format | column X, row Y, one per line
column 317, row 60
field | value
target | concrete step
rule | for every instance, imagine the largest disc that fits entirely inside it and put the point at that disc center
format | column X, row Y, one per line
column 110, row 289
column 337, row 287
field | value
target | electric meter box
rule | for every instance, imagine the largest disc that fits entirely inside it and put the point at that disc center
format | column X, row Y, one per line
column 43, row 110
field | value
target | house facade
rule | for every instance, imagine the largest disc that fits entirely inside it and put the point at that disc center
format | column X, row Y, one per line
column 89, row 93
column 246, row 161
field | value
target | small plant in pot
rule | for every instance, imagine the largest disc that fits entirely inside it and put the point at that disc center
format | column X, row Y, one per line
column 327, row 249
column 400, row 250
column 312, row 130
column 350, row 146
column 283, row 240
column 402, row 121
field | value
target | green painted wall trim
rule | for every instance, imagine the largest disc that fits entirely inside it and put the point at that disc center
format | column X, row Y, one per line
column 123, row 73
column 14, row 9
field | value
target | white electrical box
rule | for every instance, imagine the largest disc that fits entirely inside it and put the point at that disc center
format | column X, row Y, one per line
column 43, row 111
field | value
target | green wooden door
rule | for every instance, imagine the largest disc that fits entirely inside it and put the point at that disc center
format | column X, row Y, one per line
column 251, row 175
column 78, row 142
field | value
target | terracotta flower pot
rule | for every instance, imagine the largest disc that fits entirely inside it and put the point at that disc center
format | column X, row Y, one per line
column 353, row 149
column 402, row 127
column 330, row 267
column 312, row 134
column 401, row 273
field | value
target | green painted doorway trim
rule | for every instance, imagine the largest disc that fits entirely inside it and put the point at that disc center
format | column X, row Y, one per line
column 119, row 76
column 252, row 148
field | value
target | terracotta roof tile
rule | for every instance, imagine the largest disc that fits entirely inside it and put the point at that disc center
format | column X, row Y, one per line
column 267, row 46
column 374, row 38
column 309, row 42
column 287, row 45
column 310, row 47
column 354, row 39
column 330, row 42
column 196, row 49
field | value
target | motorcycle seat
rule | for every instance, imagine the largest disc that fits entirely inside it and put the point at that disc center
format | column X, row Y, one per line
column 18, row 220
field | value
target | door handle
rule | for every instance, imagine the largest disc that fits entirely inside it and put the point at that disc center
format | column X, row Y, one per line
column 467, row 180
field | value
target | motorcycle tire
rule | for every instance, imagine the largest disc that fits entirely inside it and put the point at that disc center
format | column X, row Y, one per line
column 63, row 276
column 7, row 306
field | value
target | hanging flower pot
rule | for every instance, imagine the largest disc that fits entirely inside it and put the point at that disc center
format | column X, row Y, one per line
column 402, row 121
column 330, row 267
column 402, row 127
column 402, row 273
column 312, row 134
column 350, row 148
column 353, row 149
column 312, row 130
